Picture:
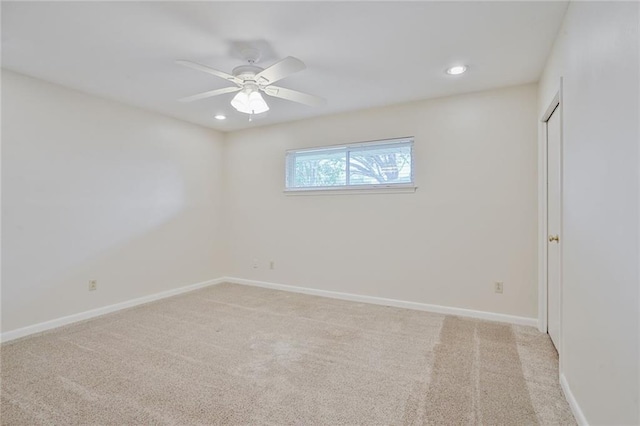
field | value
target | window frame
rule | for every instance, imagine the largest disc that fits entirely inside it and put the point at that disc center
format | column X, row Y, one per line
column 290, row 162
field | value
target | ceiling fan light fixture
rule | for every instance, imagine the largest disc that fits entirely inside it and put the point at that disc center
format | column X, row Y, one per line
column 249, row 102
column 251, row 80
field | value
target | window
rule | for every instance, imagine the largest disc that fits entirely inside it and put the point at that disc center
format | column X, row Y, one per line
column 381, row 164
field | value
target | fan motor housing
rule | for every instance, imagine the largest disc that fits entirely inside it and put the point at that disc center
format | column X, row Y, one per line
column 246, row 72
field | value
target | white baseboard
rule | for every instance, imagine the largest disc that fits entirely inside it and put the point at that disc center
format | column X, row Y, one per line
column 491, row 316
column 59, row 322
column 575, row 408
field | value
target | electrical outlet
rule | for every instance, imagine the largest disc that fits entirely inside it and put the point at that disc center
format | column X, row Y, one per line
column 272, row 265
column 255, row 263
column 498, row 286
column 93, row 285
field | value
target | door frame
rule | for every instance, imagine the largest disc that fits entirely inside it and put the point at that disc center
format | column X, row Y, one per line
column 543, row 231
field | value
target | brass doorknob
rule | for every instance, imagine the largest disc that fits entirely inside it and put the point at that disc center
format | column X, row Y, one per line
column 553, row 238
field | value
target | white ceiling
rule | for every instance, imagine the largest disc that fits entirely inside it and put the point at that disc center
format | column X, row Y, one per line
column 358, row 54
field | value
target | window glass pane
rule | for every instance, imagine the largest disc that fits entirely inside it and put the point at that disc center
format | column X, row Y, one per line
column 371, row 164
column 319, row 168
column 384, row 165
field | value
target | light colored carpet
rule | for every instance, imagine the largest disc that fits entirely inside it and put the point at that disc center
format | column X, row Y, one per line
column 232, row 354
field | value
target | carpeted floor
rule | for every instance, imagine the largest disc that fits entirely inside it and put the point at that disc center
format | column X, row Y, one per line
column 231, row 354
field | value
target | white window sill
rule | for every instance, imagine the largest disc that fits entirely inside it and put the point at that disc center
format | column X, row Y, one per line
column 404, row 189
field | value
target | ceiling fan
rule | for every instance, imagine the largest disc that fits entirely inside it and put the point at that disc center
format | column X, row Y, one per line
column 250, row 80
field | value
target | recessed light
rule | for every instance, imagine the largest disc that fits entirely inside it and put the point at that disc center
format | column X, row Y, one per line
column 457, row 70
column 220, row 117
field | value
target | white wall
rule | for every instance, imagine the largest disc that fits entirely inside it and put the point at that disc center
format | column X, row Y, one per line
column 93, row 189
column 597, row 54
column 471, row 222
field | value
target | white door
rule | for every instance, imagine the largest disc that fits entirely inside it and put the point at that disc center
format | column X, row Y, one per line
column 554, row 152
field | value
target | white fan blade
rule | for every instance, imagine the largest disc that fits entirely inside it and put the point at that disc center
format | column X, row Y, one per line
column 210, row 70
column 210, row 93
column 295, row 96
column 280, row 70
